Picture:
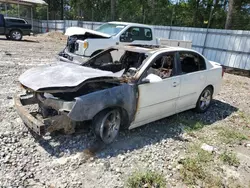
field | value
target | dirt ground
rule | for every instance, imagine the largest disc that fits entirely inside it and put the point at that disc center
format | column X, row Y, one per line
column 172, row 146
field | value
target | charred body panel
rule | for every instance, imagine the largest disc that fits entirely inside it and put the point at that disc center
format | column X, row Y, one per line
column 63, row 114
column 123, row 96
column 64, row 76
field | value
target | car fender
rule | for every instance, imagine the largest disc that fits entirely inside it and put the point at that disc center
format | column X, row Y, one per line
column 122, row 96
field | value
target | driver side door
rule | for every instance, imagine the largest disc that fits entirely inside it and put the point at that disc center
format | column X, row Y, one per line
column 157, row 100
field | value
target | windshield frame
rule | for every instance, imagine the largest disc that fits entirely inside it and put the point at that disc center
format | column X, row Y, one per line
column 111, row 24
column 148, row 55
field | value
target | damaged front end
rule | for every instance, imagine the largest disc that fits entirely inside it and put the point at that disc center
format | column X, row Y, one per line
column 51, row 114
column 64, row 109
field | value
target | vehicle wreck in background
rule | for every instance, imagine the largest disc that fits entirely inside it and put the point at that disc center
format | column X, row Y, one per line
column 121, row 87
column 85, row 43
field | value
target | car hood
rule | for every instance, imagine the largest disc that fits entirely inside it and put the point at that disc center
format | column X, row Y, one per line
column 60, row 75
column 82, row 31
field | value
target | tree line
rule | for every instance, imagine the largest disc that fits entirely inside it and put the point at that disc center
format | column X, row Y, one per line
column 228, row 14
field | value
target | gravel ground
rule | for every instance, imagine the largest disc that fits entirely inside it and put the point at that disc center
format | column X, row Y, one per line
column 66, row 161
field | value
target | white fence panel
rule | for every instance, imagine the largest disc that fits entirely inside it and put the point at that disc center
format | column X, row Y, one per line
column 228, row 47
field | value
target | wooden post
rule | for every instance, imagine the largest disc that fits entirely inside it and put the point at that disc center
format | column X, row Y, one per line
column 18, row 11
column 32, row 18
column 47, row 30
column 6, row 14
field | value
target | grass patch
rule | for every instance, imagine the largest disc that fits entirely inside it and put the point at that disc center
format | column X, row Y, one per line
column 192, row 125
column 194, row 167
column 229, row 135
column 241, row 119
column 194, row 173
column 230, row 158
column 147, row 179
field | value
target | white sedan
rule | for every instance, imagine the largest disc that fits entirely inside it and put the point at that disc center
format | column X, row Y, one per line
column 121, row 87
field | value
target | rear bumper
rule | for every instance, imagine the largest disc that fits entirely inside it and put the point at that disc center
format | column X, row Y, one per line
column 49, row 124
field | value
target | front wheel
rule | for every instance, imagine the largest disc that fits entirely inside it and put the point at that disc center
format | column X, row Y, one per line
column 204, row 100
column 106, row 125
column 16, row 35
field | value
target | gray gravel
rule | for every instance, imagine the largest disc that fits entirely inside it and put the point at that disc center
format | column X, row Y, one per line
column 78, row 160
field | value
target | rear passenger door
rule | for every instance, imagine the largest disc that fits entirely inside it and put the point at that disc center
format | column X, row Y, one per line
column 192, row 68
column 137, row 35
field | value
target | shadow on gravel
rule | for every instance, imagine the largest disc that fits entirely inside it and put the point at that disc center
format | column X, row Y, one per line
column 170, row 127
column 24, row 40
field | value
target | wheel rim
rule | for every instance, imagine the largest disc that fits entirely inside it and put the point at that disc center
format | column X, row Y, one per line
column 205, row 99
column 110, row 126
column 16, row 35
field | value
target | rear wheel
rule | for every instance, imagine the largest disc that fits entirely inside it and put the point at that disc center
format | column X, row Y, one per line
column 106, row 125
column 204, row 100
column 16, row 35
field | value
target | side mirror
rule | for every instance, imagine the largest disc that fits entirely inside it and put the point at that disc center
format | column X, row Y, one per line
column 124, row 38
column 151, row 78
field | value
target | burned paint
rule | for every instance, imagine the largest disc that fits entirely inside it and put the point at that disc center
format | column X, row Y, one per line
column 87, row 106
column 62, row 76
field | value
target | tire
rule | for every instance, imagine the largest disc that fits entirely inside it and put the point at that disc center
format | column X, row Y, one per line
column 7, row 37
column 204, row 100
column 107, row 124
column 16, row 35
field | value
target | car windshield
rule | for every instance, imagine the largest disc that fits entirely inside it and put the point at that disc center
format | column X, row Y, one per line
column 111, row 29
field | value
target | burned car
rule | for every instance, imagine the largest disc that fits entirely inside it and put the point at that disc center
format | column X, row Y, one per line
column 121, row 87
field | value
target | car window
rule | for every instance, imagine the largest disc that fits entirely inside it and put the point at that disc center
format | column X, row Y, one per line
column 191, row 62
column 136, row 33
column 163, row 66
column 1, row 21
column 14, row 20
column 111, row 29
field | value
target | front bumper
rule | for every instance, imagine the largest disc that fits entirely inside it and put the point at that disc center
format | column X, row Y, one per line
column 49, row 124
column 29, row 120
column 69, row 57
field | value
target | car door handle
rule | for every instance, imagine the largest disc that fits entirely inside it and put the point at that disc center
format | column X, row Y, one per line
column 175, row 84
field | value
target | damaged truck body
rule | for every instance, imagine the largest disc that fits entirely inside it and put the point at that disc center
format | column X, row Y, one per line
column 84, row 43
column 121, row 87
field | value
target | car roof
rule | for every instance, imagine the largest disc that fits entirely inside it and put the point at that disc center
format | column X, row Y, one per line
column 129, row 23
column 14, row 18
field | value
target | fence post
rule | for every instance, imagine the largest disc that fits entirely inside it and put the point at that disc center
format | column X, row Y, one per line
column 169, row 35
column 64, row 25
column 208, row 25
column 205, row 41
